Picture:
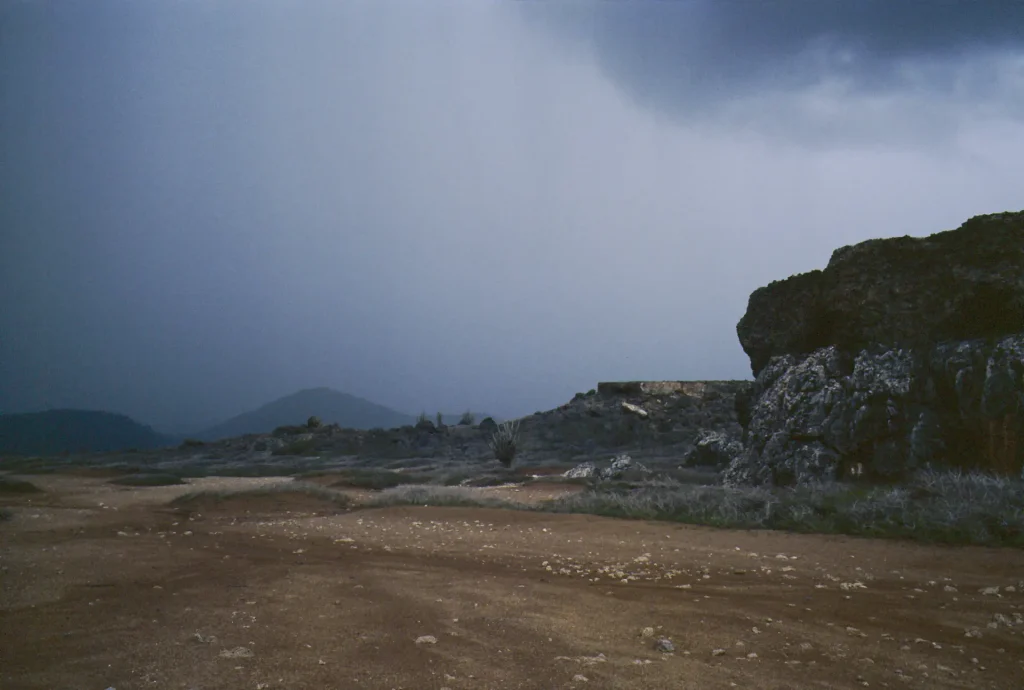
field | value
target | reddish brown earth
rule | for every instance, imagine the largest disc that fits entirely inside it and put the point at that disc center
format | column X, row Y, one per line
column 294, row 594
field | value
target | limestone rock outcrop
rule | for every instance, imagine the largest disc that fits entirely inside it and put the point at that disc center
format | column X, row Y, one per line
column 901, row 354
column 713, row 449
column 962, row 284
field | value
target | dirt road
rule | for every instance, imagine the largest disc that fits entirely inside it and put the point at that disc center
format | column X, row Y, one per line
column 131, row 594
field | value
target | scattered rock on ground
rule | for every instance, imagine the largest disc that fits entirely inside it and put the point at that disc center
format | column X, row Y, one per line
column 584, row 470
column 619, row 467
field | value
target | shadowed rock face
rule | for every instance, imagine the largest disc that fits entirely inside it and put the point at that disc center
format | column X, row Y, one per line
column 884, row 413
column 902, row 353
column 957, row 285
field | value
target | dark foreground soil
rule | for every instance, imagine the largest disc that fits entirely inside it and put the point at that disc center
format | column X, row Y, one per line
column 108, row 587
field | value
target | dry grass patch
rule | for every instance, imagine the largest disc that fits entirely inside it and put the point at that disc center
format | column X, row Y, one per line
column 285, row 496
column 943, row 507
column 437, row 496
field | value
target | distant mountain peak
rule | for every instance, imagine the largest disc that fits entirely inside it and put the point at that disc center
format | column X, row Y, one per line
column 330, row 405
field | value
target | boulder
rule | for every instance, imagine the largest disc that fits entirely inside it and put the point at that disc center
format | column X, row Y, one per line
column 713, row 449
column 663, row 644
column 623, row 467
column 584, row 470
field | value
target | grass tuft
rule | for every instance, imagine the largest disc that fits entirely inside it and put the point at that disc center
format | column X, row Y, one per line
column 504, row 442
column 436, row 496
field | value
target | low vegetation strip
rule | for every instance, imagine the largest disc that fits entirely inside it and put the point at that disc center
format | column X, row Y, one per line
column 437, row 496
column 273, row 491
column 952, row 507
column 946, row 507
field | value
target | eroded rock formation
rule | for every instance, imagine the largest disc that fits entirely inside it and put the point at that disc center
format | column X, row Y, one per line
column 957, row 285
column 901, row 353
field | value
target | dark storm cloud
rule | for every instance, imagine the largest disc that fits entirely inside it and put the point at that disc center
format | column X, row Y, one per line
column 698, row 57
column 436, row 205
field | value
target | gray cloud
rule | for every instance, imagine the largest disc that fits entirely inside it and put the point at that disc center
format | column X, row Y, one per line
column 816, row 71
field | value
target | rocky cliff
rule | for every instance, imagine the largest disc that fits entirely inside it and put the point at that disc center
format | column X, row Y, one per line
column 962, row 284
column 901, row 353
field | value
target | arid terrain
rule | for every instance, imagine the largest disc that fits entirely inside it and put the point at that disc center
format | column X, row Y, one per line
column 113, row 587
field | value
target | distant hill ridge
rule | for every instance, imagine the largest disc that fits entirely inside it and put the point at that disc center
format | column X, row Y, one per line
column 331, row 406
column 75, row 431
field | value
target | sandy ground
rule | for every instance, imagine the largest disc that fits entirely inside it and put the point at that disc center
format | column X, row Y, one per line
column 107, row 587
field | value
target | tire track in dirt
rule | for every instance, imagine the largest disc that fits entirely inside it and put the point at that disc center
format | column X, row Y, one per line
column 146, row 597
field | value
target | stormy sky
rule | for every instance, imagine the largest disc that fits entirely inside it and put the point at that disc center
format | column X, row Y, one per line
column 205, row 205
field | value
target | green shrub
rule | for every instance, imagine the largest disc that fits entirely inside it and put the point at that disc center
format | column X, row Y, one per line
column 439, row 423
column 192, row 443
column 467, row 418
column 153, row 479
column 313, row 422
column 504, row 442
